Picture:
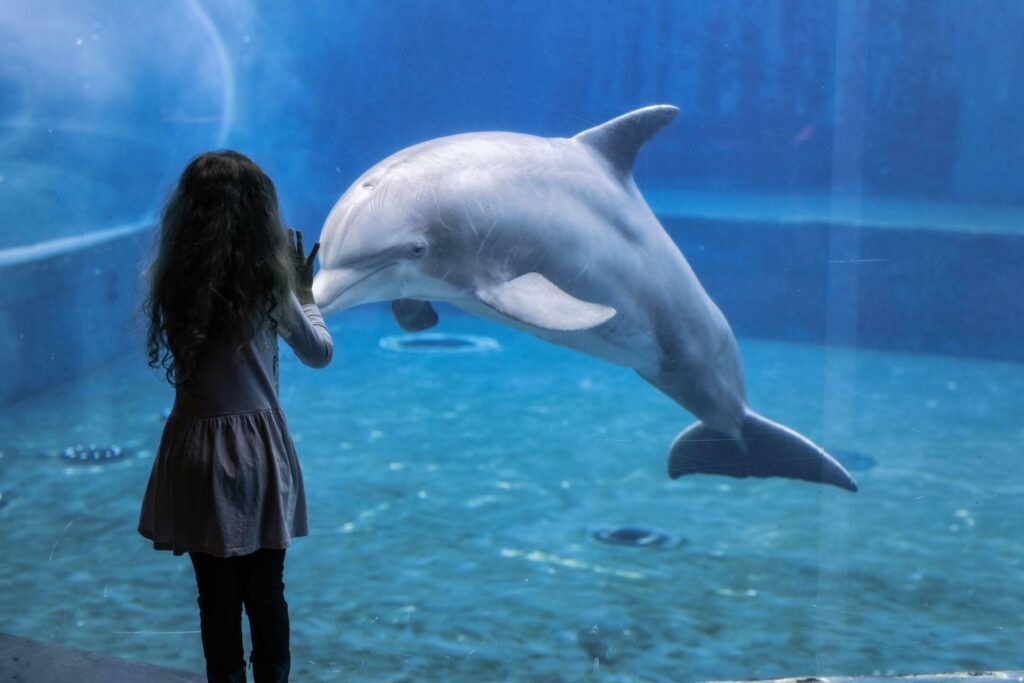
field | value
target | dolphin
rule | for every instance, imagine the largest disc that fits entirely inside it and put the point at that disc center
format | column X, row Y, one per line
column 552, row 236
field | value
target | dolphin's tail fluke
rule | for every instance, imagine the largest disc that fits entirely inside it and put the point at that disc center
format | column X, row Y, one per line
column 767, row 449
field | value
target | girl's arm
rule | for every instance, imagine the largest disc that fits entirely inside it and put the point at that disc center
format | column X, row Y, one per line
column 301, row 323
column 303, row 328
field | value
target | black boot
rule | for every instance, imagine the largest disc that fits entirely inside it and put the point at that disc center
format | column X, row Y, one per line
column 220, row 677
column 270, row 672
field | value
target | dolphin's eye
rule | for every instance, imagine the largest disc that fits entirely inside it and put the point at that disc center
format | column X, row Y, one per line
column 419, row 249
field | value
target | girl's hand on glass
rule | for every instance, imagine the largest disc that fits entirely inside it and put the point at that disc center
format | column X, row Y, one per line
column 303, row 266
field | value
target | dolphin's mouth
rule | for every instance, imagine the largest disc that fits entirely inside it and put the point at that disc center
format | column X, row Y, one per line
column 335, row 296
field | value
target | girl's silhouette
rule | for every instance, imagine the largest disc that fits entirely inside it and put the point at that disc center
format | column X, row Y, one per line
column 226, row 485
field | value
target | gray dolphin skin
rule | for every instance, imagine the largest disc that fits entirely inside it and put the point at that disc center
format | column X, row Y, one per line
column 552, row 236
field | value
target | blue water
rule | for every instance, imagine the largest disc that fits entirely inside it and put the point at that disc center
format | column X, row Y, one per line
column 453, row 497
column 846, row 174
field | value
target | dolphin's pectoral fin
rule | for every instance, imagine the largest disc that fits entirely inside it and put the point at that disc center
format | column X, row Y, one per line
column 620, row 139
column 534, row 300
column 413, row 315
column 766, row 450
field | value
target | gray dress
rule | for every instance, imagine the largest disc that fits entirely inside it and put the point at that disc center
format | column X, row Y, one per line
column 226, row 480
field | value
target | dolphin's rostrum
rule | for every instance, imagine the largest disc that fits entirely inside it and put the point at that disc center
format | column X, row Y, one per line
column 552, row 236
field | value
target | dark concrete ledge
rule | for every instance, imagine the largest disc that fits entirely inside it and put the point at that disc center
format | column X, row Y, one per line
column 974, row 676
column 32, row 661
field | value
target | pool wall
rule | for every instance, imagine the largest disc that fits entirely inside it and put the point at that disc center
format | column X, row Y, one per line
column 909, row 289
column 65, row 312
column 913, row 289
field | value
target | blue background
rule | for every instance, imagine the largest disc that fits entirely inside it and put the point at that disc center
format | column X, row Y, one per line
column 856, row 103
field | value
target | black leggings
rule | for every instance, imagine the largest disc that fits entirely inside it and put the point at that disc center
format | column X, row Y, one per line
column 225, row 584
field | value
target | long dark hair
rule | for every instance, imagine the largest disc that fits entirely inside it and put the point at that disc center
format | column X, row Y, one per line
column 223, row 264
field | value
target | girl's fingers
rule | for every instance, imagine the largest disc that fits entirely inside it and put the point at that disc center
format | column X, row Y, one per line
column 298, row 243
column 312, row 254
column 291, row 238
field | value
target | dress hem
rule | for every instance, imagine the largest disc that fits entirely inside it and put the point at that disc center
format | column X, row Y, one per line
column 220, row 552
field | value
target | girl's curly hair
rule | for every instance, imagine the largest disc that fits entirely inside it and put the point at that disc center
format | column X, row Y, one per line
column 223, row 265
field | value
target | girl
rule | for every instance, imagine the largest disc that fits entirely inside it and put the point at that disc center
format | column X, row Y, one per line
column 226, row 485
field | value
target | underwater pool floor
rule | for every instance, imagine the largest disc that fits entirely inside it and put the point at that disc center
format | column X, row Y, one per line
column 454, row 500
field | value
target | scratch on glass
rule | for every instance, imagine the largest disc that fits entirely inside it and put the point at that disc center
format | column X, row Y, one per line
column 66, row 527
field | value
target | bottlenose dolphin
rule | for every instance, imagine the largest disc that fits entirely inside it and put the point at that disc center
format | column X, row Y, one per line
column 552, row 236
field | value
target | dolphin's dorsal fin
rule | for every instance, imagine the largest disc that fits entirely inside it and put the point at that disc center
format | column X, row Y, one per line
column 620, row 139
